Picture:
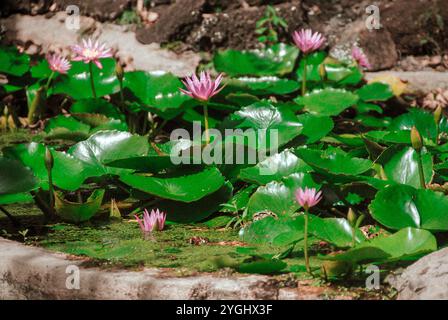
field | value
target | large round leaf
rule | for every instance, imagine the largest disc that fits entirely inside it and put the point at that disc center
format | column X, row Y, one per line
column 262, row 85
column 269, row 120
column 328, row 102
column 104, row 147
column 186, row 188
column 78, row 212
column 67, row 171
column 12, row 62
column 279, row 197
column 77, row 81
column 274, row 168
column 184, row 212
column 401, row 206
column 15, row 178
column 408, row 243
column 335, row 161
column 158, row 91
column 422, row 120
column 400, row 165
column 375, row 91
column 276, row 60
column 315, row 127
column 96, row 106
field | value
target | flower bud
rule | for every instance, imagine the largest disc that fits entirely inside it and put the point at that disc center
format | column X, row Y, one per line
column 416, row 139
column 438, row 115
column 351, row 217
column 119, row 71
column 49, row 160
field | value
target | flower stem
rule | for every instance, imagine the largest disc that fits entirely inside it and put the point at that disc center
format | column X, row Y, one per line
column 305, row 65
column 207, row 135
column 47, row 85
column 420, row 170
column 305, row 240
column 92, row 84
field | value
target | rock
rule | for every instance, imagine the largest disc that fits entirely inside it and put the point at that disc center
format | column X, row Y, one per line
column 99, row 9
column 426, row 279
column 175, row 22
column 23, row 6
column 236, row 28
column 376, row 44
column 419, row 26
column 28, row 272
column 419, row 82
column 50, row 34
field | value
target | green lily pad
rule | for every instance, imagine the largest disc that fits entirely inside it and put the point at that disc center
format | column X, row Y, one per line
column 12, row 62
column 277, row 60
column 186, row 188
column 96, row 106
column 67, row 171
column 279, row 197
column 77, row 81
column 183, row 212
column 335, row 161
column 262, row 85
column 15, row 178
column 104, row 147
column 401, row 206
column 400, row 165
column 375, row 91
column 406, row 244
column 328, row 102
column 274, row 168
column 78, row 212
column 315, row 127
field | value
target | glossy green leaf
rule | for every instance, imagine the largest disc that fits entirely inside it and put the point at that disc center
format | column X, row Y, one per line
column 375, row 91
column 328, row 102
column 263, row 266
column 262, row 85
column 400, row 165
column 157, row 91
column 78, row 212
column 408, row 243
column 68, row 123
column 276, row 60
column 335, row 161
column 274, row 168
column 269, row 120
column 15, row 178
column 12, row 62
column 186, row 188
column 421, row 119
column 314, row 64
column 11, row 198
column 401, row 206
column 184, row 212
column 104, row 147
column 77, row 81
column 67, row 171
column 315, row 127
column 279, row 197
column 99, row 106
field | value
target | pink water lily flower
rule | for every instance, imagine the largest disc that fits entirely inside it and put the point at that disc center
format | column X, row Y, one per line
column 58, row 63
column 202, row 88
column 152, row 222
column 91, row 51
column 307, row 41
column 308, row 198
column 360, row 58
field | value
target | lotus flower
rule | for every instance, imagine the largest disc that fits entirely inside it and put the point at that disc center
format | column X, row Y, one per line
column 202, row 88
column 360, row 58
column 307, row 41
column 58, row 63
column 308, row 198
column 91, row 51
column 152, row 222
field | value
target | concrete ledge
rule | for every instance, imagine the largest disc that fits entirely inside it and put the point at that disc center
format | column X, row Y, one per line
column 34, row 273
